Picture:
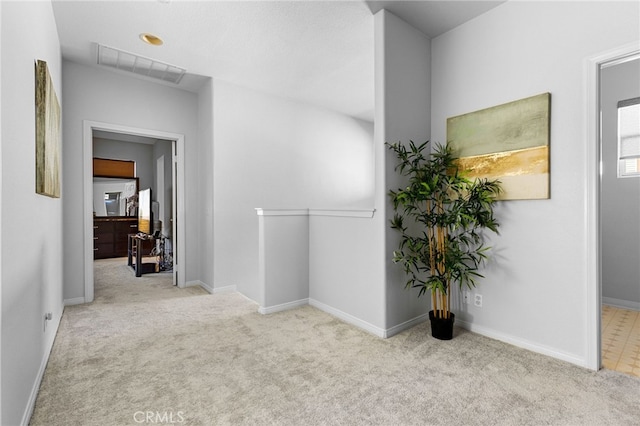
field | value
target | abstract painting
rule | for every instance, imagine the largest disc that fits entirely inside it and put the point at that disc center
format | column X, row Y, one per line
column 47, row 134
column 508, row 142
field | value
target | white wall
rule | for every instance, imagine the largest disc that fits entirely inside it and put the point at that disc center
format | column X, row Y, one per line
column 271, row 153
column 620, row 198
column 534, row 291
column 99, row 95
column 1, row 180
column 351, row 273
column 205, row 180
column 403, row 109
column 31, row 224
column 141, row 153
column 346, row 274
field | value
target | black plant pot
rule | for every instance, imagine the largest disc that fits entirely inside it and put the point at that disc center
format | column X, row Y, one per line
column 442, row 328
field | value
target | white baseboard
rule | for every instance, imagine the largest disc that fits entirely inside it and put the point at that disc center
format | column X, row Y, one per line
column 524, row 344
column 198, row 283
column 377, row 331
column 246, row 297
column 618, row 303
column 283, row 306
column 74, row 301
column 31, row 402
column 194, row 283
column 209, row 289
column 405, row 325
column 225, row 289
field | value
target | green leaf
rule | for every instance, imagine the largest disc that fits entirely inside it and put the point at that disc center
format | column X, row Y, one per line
column 439, row 200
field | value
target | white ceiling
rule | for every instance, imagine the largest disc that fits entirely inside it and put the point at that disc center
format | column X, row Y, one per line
column 320, row 52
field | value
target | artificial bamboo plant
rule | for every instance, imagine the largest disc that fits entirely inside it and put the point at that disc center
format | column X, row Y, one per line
column 441, row 216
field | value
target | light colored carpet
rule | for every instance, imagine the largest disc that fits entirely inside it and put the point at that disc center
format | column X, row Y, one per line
column 198, row 359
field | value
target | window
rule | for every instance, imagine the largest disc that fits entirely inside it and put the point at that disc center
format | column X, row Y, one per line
column 629, row 138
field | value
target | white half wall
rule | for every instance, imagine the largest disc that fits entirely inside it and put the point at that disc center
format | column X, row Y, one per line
column 283, row 258
column 534, row 293
column 94, row 94
column 31, row 227
column 345, row 268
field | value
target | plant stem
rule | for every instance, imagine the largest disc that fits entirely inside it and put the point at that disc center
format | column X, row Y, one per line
column 434, row 302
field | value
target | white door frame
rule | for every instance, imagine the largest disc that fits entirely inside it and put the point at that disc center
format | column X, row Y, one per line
column 592, row 198
column 87, row 159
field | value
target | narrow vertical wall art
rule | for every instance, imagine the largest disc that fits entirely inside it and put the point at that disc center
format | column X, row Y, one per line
column 47, row 133
column 508, row 142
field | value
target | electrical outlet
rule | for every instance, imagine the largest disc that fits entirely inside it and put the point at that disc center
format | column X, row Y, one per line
column 47, row 317
column 465, row 297
column 477, row 300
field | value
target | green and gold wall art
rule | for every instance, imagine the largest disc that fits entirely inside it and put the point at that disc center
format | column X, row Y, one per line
column 508, row 142
column 47, row 133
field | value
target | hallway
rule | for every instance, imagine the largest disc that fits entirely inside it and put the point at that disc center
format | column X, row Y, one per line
column 115, row 282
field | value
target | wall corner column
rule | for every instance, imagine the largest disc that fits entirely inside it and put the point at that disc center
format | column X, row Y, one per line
column 402, row 113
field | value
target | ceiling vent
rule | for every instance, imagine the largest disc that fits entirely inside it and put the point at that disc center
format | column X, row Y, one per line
column 129, row 62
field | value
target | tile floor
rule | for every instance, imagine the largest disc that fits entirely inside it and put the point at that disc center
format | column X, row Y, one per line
column 621, row 340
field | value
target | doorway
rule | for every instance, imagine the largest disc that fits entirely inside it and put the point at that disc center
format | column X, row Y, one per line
column 594, row 196
column 178, row 210
column 619, row 212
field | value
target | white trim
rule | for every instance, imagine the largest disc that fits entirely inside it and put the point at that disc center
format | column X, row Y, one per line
column 348, row 318
column 87, row 154
column 389, row 332
column 618, row 303
column 283, row 306
column 74, row 301
column 246, row 297
column 198, row 283
column 87, row 171
column 209, row 289
column 179, row 260
column 225, row 289
column 262, row 264
column 31, row 402
column 206, row 287
column 282, row 212
column 366, row 213
column 1, row 144
column 621, row 60
column 593, row 356
column 521, row 343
